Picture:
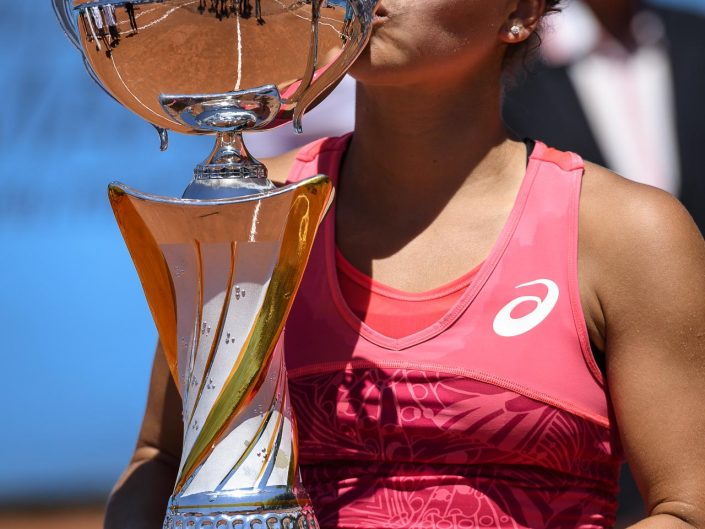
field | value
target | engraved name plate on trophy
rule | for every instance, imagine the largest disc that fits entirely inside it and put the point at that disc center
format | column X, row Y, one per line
column 220, row 267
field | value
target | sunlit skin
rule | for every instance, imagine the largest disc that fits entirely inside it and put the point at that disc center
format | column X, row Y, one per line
column 407, row 51
column 426, row 186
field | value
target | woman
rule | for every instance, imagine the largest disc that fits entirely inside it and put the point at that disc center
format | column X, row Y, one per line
column 482, row 404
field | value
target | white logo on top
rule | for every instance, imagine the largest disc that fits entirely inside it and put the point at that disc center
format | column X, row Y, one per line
column 505, row 325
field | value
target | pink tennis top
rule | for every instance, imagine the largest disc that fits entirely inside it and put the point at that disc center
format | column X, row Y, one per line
column 493, row 415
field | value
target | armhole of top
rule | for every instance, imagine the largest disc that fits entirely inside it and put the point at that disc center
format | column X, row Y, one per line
column 600, row 358
column 593, row 357
column 574, row 167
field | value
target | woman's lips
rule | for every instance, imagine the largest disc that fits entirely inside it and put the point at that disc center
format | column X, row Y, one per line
column 381, row 11
column 380, row 15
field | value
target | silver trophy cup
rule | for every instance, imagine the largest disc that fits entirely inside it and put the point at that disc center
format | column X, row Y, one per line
column 220, row 266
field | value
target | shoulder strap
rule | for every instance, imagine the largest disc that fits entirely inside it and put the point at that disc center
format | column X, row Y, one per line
column 320, row 156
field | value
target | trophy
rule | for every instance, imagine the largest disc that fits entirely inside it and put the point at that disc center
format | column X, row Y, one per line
column 220, row 266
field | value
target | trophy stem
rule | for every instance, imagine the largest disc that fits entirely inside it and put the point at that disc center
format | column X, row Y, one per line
column 230, row 159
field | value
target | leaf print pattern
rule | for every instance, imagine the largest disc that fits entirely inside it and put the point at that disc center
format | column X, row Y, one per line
column 406, row 448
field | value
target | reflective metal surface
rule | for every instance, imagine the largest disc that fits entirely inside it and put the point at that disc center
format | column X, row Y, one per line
column 220, row 276
column 144, row 50
column 68, row 24
column 230, row 159
column 218, row 66
column 220, row 267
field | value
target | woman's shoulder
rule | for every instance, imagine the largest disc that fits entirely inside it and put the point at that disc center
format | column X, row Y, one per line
column 635, row 240
column 621, row 215
column 280, row 166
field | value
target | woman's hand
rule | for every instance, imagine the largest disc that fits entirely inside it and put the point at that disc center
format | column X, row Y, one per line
column 139, row 499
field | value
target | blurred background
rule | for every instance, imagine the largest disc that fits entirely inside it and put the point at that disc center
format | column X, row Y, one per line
column 78, row 338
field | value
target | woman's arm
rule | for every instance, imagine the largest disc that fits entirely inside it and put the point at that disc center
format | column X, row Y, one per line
column 139, row 499
column 651, row 289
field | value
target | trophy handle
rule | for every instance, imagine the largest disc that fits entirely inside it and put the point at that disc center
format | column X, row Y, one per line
column 323, row 79
column 62, row 9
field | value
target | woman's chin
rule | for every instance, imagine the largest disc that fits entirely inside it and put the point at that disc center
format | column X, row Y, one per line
column 378, row 63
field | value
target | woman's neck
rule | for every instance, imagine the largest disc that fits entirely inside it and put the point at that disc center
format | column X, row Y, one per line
column 412, row 140
column 423, row 165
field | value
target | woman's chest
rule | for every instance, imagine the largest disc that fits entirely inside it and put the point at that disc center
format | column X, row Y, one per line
column 415, row 416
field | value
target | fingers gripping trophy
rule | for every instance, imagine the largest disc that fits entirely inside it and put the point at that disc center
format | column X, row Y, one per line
column 221, row 265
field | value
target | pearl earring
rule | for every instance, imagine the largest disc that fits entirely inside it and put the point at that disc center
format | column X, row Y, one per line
column 515, row 30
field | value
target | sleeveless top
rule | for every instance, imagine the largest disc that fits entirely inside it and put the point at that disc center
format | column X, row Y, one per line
column 493, row 416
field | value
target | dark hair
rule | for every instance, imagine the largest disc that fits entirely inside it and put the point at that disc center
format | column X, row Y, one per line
column 518, row 55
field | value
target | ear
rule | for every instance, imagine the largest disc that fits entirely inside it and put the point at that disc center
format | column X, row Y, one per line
column 522, row 21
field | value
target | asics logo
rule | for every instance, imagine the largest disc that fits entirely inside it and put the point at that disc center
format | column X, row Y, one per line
column 505, row 325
